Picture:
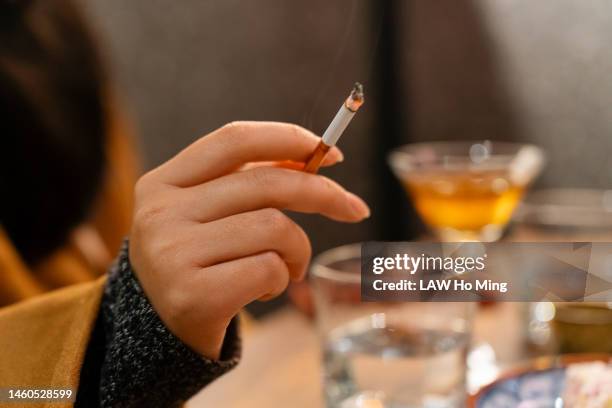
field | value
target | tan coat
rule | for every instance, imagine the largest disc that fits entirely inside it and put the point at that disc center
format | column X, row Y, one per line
column 44, row 339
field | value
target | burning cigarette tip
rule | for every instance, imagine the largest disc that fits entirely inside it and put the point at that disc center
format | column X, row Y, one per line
column 357, row 92
column 356, row 98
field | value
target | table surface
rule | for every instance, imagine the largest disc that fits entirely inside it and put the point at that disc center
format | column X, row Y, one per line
column 281, row 360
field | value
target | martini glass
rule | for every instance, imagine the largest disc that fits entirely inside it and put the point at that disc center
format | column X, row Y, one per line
column 466, row 190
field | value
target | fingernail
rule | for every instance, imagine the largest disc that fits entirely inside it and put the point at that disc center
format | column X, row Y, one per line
column 334, row 157
column 359, row 207
column 340, row 156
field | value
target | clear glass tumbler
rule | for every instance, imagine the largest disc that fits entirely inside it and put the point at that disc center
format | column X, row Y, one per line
column 391, row 354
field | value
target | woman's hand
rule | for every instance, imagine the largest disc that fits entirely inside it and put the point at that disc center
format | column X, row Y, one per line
column 208, row 235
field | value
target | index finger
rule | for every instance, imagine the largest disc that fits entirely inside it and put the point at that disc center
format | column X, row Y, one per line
column 226, row 149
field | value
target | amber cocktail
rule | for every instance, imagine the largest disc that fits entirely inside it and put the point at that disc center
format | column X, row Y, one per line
column 466, row 190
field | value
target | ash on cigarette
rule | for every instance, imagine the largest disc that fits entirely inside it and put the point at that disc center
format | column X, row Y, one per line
column 357, row 92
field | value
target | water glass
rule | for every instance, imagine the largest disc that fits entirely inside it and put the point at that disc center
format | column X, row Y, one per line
column 378, row 355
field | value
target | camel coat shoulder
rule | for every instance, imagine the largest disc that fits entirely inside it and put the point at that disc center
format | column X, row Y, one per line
column 43, row 340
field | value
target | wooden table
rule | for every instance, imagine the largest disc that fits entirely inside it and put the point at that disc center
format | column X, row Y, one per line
column 281, row 368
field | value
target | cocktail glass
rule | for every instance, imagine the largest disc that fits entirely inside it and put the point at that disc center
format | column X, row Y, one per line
column 466, row 190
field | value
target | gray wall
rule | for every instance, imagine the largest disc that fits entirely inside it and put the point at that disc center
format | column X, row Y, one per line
column 539, row 71
column 507, row 69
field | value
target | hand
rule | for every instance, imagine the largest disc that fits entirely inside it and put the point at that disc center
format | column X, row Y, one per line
column 208, row 235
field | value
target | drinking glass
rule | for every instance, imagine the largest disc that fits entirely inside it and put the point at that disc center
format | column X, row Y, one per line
column 466, row 191
column 378, row 355
column 574, row 215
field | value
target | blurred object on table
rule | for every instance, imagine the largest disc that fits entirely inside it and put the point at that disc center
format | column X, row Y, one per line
column 564, row 327
column 583, row 327
column 571, row 381
column 569, row 215
column 565, row 214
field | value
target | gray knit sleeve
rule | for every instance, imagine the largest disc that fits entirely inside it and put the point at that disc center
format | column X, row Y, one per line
column 144, row 364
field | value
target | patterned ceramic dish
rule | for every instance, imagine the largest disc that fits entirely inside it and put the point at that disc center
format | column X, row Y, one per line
column 538, row 384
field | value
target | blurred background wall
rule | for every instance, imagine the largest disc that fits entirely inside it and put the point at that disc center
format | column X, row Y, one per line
column 476, row 69
column 533, row 71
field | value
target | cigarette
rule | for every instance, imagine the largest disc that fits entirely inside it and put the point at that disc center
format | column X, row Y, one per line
column 336, row 128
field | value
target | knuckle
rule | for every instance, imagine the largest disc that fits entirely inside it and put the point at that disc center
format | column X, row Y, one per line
column 148, row 186
column 274, row 271
column 277, row 221
column 261, row 177
column 329, row 191
column 229, row 135
column 308, row 185
column 142, row 185
column 305, row 247
column 327, row 184
column 163, row 253
column 296, row 130
column 304, row 252
column 149, row 214
column 233, row 128
column 271, row 263
column 270, row 180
